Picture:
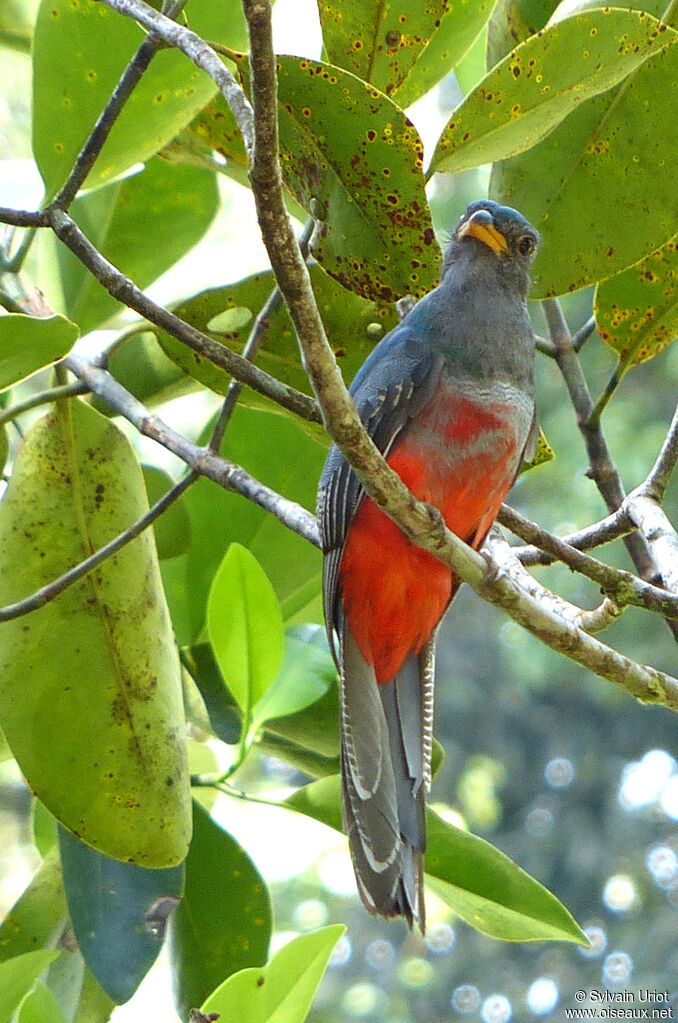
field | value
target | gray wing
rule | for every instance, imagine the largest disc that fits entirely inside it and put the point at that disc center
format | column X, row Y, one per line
column 393, row 385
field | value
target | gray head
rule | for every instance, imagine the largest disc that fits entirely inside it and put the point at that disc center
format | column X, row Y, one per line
column 497, row 236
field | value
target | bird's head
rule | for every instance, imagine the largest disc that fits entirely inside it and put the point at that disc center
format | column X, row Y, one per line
column 490, row 232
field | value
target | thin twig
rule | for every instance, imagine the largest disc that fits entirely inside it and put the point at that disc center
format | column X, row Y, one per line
column 612, row 527
column 252, row 345
column 43, row 398
column 581, row 336
column 601, row 467
column 660, row 474
column 52, row 589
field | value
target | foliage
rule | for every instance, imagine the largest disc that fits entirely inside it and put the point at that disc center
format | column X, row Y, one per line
column 219, row 601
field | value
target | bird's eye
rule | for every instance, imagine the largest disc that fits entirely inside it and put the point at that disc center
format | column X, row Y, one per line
column 526, row 244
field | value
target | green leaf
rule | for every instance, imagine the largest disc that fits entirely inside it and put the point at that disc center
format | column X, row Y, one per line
column 17, row 977
column 245, row 626
column 38, row 918
column 637, row 310
column 533, row 89
column 119, row 913
column 142, row 225
column 224, row 716
column 282, row 991
column 459, row 27
column 306, row 674
column 482, row 885
column 279, row 453
column 353, row 160
column 590, row 200
column 80, row 50
column 99, row 733
column 40, row 1006
column 28, row 344
column 353, row 326
column 219, row 928
column 173, row 529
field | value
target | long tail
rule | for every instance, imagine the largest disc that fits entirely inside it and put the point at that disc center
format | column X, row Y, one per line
column 386, row 756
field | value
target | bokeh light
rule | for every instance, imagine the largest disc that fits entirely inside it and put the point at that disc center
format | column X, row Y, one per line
column 559, row 773
column 380, row 954
column 620, row 893
column 362, row 1000
column 617, row 969
column 465, row 999
column 643, row 781
column 662, row 863
column 440, row 938
column 496, row 1009
column 542, row 996
column 598, row 942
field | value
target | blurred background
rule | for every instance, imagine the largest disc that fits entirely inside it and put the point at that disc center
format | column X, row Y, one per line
column 567, row 775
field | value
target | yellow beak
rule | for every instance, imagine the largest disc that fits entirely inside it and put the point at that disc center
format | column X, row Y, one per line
column 480, row 226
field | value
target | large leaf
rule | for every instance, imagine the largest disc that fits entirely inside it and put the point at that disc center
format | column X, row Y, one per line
column 245, row 627
column 353, row 324
column 482, row 885
column 637, row 311
column 283, row 990
column 37, row 919
column 80, row 50
column 143, row 225
column 277, row 452
column 224, row 921
column 534, row 89
column 591, row 198
column 17, row 976
column 28, row 344
column 118, row 911
column 353, row 160
column 99, row 732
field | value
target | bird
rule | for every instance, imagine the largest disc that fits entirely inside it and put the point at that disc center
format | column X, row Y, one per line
column 448, row 397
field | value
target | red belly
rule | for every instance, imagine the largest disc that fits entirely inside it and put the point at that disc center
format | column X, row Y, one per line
column 394, row 593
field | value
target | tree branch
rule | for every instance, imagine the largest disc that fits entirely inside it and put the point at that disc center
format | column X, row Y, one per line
column 226, row 474
column 622, row 586
column 612, row 527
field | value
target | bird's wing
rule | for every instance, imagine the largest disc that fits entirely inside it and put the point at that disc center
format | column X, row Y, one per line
column 388, row 393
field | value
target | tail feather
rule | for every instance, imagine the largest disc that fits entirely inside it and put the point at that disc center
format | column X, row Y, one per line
column 385, row 771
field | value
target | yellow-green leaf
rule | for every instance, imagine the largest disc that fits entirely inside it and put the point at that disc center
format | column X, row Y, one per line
column 91, row 698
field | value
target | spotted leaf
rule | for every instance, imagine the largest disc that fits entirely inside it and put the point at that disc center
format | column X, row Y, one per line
column 637, row 310
column 533, row 89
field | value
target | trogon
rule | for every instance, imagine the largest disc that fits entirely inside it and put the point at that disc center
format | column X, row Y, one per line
column 448, row 398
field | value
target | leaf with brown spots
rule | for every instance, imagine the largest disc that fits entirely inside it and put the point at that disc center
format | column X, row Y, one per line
column 637, row 310
column 91, row 700
column 401, row 49
column 601, row 188
column 350, row 156
column 533, row 89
